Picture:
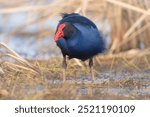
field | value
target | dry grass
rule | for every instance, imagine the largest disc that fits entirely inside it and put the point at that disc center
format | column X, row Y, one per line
column 121, row 78
column 12, row 54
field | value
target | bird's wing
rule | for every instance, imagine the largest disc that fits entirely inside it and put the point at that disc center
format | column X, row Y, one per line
column 75, row 18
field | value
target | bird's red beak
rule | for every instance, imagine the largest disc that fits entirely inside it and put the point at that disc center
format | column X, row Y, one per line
column 59, row 34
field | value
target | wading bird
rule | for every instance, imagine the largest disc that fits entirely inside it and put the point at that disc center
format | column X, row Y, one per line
column 78, row 37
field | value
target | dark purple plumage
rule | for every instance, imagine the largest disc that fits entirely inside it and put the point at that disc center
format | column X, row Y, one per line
column 79, row 37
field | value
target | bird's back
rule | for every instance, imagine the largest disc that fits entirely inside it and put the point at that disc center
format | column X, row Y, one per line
column 74, row 18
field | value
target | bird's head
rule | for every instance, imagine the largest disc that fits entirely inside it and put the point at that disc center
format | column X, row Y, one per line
column 64, row 30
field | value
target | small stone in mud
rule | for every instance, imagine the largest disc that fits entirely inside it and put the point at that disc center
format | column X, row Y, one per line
column 4, row 93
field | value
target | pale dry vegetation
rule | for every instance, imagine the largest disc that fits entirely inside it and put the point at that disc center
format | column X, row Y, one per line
column 122, row 73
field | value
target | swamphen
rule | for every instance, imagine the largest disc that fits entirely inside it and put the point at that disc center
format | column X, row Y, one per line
column 78, row 37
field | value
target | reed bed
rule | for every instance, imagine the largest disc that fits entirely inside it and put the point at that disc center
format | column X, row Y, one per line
column 128, row 20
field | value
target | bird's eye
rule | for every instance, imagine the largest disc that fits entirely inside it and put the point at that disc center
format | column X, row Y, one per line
column 68, row 31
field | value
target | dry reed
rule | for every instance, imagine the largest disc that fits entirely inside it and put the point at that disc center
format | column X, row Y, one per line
column 128, row 17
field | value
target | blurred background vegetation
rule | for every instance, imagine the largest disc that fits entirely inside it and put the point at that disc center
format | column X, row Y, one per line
column 28, row 26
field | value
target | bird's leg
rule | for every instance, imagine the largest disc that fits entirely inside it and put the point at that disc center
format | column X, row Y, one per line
column 91, row 68
column 64, row 66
